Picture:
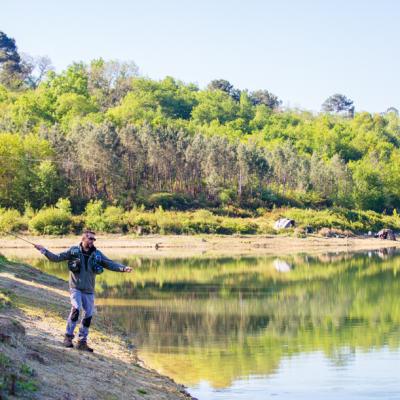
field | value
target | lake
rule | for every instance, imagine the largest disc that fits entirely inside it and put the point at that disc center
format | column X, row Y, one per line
column 293, row 327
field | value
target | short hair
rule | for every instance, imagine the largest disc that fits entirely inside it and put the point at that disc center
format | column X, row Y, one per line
column 86, row 231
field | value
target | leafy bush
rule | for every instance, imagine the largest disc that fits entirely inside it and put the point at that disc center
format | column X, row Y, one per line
column 64, row 204
column 169, row 201
column 141, row 222
column 227, row 196
column 232, row 211
column 168, row 224
column 201, row 221
column 114, row 220
column 11, row 220
column 94, row 215
column 78, row 223
column 110, row 219
column 51, row 221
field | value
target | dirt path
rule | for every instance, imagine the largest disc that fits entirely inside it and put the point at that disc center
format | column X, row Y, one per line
column 40, row 303
column 187, row 246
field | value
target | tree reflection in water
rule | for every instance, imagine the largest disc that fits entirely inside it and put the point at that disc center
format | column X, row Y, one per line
column 221, row 319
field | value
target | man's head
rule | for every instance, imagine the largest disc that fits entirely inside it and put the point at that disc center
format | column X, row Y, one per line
column 88, row 238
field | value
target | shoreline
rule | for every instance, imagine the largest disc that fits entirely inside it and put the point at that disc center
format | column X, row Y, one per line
column 39, row 303
column 178, row 246
column 33, row 310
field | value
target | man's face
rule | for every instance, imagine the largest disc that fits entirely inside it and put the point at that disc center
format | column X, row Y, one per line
column 88, row 239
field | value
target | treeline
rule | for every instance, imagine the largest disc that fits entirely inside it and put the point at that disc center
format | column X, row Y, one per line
column 101, row 131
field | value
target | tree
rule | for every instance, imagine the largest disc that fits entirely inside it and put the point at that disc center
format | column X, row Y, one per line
column 252, row 167
column 11, row 67
column 73, row 80
column 266, row 98
column 225, row 86
column 368, row 189
column 21, row 176
column 155, row 102
column 339, row 104
column 221, row 157
column 110, row 81
column 97, row 148
column 290, row 170
column 393, row 110
column 214, row 105
column 36, row 69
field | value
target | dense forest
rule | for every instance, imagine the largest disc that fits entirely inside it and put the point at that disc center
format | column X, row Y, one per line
column 100, row 133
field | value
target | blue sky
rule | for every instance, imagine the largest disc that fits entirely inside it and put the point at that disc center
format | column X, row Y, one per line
column 303, row 51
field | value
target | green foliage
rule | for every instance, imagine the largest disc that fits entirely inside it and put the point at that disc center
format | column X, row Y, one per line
column 355, row 221
column 168, row 201
column 5, row 300
column 16, row 379
column 214, row 105
column 114, row 219
column 64, row 205
column 154, row 102
column 227, row 220
column 51, row 221
column 94, row 215
column 11, row 220
column 100, row 131
column 140, row 222
column 109, row 219
column 21, row 177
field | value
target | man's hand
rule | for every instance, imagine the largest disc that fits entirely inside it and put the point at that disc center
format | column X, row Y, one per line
column 40, row 248
column 127, row 269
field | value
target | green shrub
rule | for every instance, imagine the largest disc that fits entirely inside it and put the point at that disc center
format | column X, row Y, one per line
column 141, row 222
column 169, row 201
column 51, row 221
column 94, row 215
column 114, row 220
column 168, row 225
column 227, row 196
column 78, row 223
column 64, row 204
column 232, row 211
column 11, row 220
column 110, row 219
column 201, row 221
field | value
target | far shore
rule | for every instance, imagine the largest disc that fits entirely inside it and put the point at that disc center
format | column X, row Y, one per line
column 198, row 245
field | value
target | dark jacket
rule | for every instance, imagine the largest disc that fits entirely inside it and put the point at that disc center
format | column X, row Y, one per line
column 85, row 279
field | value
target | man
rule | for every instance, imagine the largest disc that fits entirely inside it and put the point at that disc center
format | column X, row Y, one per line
column 84, row 262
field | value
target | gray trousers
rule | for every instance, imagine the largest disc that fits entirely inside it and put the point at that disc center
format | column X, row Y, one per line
column 80, row 301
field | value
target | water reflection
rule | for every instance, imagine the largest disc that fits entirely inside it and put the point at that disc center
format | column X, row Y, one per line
column 213, row 323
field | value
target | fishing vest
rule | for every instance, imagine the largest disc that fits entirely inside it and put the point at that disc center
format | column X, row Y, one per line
column 93, row 261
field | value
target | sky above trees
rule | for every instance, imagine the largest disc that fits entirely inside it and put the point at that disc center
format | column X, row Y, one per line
column 303, row 51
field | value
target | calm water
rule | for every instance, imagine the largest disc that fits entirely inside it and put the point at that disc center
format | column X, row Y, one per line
column 296, row 327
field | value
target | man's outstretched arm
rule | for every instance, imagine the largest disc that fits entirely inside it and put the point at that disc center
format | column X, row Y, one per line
column 112, row 265
column 65, row 255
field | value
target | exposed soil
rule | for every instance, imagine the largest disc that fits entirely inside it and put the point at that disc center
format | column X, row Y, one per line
column 31, row 332
column 187, row 246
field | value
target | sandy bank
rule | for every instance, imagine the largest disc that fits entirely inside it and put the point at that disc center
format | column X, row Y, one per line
column 186, row 246
column 38, row 303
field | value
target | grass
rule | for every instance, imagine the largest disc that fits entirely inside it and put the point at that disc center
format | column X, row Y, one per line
column 5, row 300
column 16, row 379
